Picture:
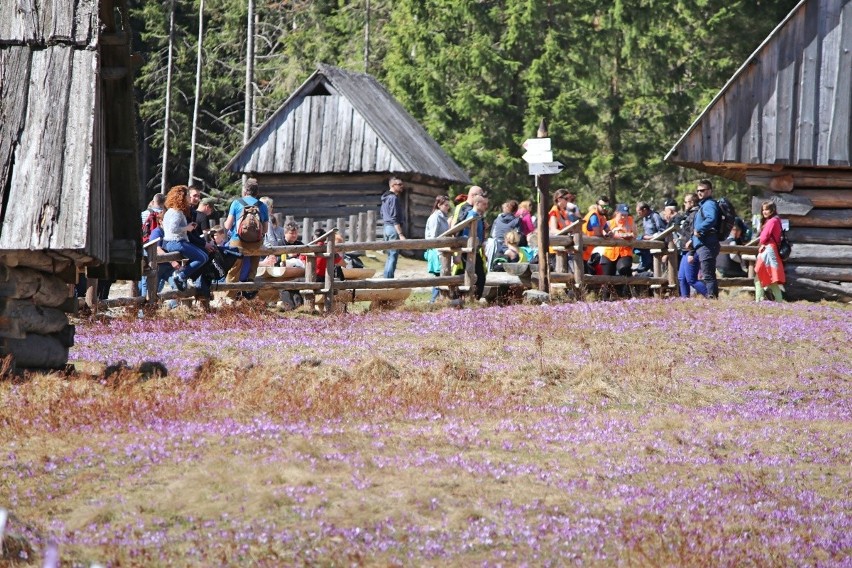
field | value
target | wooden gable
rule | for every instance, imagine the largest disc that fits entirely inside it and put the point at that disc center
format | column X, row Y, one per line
column 789, row 104
column 339, row 122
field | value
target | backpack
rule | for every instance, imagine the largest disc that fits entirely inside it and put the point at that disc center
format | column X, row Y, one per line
column 152, row 221
column 727, row 217
column 785, row 247
column 249, row 226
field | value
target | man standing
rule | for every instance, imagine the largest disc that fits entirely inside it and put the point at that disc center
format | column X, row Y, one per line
column 705, row 238
column 256, row 211
column 480, row 206
column 393, row 216
column 462, row 209
column 652, row 223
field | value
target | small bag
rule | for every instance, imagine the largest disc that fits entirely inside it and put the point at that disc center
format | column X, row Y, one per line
column 784, row 247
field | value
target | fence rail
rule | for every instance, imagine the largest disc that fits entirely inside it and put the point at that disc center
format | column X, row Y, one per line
column 567, row 245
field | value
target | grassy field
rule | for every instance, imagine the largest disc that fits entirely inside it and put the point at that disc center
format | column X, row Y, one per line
column 647, row 433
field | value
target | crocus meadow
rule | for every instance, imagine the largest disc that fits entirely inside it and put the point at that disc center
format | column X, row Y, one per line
column 641, row 432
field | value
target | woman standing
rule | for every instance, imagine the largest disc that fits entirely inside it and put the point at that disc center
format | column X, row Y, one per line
column 768, row 270
column 175, row 238
column 687, row 274
column 437, row 224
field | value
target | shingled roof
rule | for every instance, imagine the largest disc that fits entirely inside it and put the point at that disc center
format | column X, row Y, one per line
column 343, row 122
column 788, row 104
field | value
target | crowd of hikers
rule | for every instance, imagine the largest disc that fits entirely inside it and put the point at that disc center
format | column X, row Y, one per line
column 212, row 245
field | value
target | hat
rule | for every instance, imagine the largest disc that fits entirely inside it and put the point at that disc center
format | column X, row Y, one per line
column 670, row 202
column 622, row 208
column 208, row 201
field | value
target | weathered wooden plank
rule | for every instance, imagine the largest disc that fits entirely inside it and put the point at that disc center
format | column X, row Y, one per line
column 343, row 135
column 284, row 143
column 384, row 157
column 356, row 163
column 840, row 134
column 769, row 107
column 72, row 224
column 86, row 23
column 315, row 138
column 371, row 142
column 821, row 254
column 36, row 188
column 329, row 139
column 821, row 236
column 731, row 138
column 14, row 78
column 824, row 273
column 751, row 144
column 264, row 147
column 844, row 292
column 800, row 179
column 301, row 135
column 787, row 204
column 830, row 35
column 827, row 198
column 825, row 218
column 785, row 88
column 809, row 85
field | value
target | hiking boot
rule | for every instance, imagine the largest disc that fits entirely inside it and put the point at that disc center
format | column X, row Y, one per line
column 178, row 282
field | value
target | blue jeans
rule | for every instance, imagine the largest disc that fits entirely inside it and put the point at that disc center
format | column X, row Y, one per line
column 687, row 275
column 196, row 256
column 706, row 255
column 164, row 272
column 393, row 254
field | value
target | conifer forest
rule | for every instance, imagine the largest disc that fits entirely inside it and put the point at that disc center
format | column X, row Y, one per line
column 617, row 81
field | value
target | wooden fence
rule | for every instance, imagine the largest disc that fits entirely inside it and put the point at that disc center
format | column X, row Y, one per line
column 568, row 243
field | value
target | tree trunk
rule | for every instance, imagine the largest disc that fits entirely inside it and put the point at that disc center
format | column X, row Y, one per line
column 198, row 61
column 168, row 118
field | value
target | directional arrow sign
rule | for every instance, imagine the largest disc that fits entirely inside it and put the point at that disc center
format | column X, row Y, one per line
column 546, row 168
column 531, row 157
column 537, row 144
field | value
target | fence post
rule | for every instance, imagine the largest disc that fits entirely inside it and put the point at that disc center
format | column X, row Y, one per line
column 658, row 269
column 329, row 273
column 310, row 277
column 470, row 267
column 92, row 293
column 152, row 278
column 306, row 230
column 316, row 226
column 371, row 226
column 362, row 227
column 579, row 265
column 352, row 232
column 329, row 225
column 672, row 262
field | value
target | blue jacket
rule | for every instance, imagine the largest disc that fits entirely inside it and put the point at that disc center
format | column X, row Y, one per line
column 706, row 222
column 480, row 227
column 392, row 213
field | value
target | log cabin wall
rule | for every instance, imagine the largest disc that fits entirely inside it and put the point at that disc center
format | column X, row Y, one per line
column 783, row 124
column 818, row 206
column 332, row 197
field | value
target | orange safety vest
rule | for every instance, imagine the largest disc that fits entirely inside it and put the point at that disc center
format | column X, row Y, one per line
column 587, row 251
column 561, row 220
column 614, row 253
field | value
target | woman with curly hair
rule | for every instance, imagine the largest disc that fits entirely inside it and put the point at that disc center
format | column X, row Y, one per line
column 175, row 235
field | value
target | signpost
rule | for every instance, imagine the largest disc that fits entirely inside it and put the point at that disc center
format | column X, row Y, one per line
column 539, row 156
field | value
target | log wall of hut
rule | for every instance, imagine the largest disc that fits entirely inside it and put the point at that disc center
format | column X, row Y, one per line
column 330, row 197
column 818, row 206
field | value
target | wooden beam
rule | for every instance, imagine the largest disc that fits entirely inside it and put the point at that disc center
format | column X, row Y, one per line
column 824, row 273
column 844, row 292
column 824, row 218
column 821, row 236
column 827, row 198
column 821, row 254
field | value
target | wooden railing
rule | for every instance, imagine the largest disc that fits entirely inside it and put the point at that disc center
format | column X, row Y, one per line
column 568, row 243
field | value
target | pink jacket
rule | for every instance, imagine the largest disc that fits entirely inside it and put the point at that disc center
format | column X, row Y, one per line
column 771, row 231
column 527, row 226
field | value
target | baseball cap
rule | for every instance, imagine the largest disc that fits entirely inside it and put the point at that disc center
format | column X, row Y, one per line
column 622, row 208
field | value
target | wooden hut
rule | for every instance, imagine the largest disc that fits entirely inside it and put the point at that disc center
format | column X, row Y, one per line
column 329, row 150
column 782, row 124
column 67, row 165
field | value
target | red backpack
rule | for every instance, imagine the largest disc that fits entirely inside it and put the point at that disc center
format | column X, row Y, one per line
column 152, row 221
